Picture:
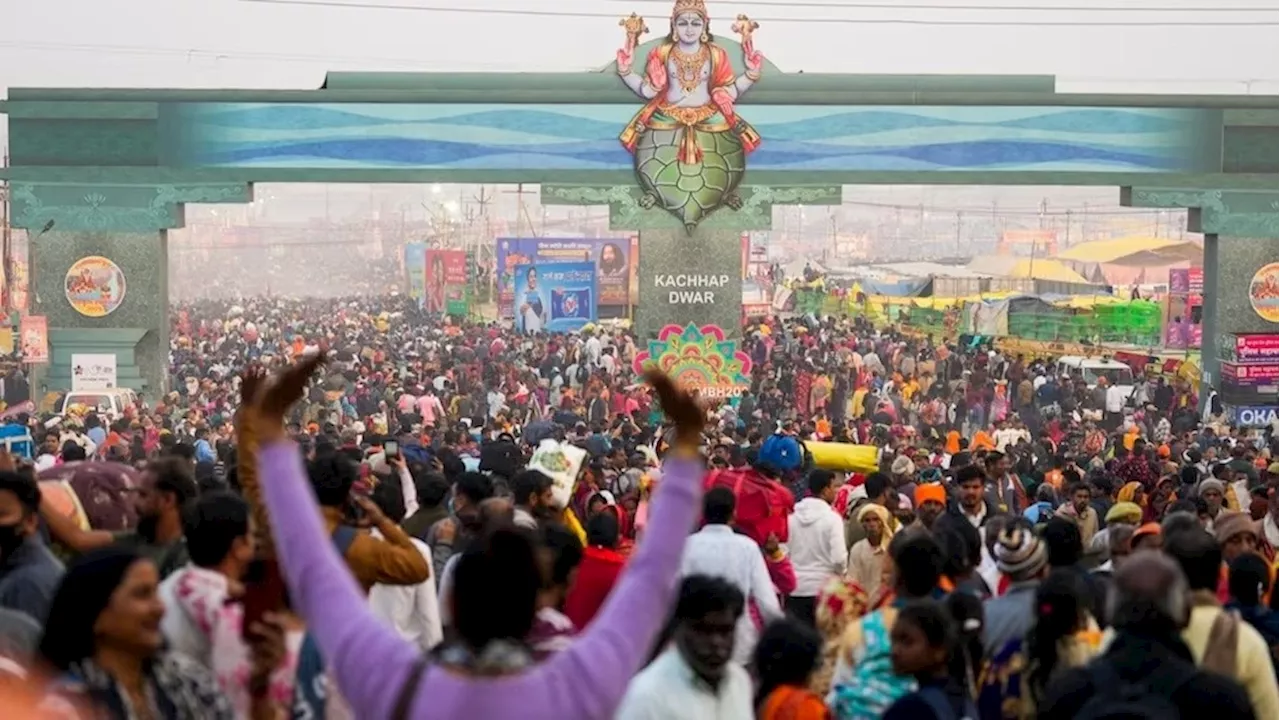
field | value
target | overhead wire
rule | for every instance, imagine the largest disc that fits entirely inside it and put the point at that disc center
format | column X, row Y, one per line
column 517, row 12
column 193, row 53
column 999, row 211
column 981, row 8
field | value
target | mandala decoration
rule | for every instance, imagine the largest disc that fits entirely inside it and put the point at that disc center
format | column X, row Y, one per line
column 698, row 358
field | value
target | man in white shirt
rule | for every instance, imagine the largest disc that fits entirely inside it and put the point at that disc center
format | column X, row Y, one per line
column 694, row 678
column 816, row 543
column 412, row 610
column 1115, row 400
column 591, row 350
column 716, row 550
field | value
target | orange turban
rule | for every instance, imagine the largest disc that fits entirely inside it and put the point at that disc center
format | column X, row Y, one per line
column 930, row 491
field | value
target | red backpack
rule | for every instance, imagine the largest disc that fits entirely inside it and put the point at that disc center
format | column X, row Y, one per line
column 762, row 504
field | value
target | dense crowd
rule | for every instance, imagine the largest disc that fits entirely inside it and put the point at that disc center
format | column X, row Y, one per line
column 503, row 524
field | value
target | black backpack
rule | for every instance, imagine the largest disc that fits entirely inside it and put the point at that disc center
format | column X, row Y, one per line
column 1150, row 698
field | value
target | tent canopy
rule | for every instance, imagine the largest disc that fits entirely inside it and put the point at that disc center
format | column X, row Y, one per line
column 1134, row 252
column 1025, row 269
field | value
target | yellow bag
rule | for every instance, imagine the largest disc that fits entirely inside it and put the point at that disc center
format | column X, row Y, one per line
column 844, row 457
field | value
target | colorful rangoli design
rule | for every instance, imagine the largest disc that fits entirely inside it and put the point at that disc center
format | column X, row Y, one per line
column 698, row 357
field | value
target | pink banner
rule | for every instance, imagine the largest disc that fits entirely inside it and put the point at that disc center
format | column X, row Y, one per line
column 34, row 331
column 1249, row 348
column 1250, row 375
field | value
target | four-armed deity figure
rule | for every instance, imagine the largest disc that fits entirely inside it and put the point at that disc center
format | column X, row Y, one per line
column 688, row 141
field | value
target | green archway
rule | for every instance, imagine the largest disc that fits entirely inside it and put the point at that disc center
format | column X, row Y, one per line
column 99, row 172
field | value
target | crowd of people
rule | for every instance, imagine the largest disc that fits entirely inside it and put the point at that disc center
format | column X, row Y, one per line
column 346, row 507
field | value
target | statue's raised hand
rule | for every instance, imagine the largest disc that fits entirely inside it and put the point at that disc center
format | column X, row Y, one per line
column 752, row 58
column 657, row 71
column 624, row 58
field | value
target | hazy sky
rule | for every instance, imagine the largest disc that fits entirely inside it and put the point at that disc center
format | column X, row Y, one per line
column 238, row 43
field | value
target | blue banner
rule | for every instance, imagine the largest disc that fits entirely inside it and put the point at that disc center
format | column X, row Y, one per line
column 554, row 297
column 415, row 266
column 612, row 257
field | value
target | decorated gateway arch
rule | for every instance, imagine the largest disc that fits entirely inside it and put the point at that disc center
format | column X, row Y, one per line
column 689, row 137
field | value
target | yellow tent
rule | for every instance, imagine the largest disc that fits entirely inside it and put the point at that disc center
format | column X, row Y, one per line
column 1136, row 250
column 1020, row 268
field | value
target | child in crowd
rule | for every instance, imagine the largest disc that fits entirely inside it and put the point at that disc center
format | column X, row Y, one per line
column 924, row 636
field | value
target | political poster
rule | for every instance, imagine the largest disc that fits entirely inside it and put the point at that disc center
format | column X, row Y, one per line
column 554, row 297
column 93, row 371
column 612, row 257
column 446, row 282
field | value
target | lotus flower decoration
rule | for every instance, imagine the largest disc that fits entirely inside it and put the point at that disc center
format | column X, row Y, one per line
column 697, row 357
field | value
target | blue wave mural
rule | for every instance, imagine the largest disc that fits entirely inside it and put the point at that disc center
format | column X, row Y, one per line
column 497, row 137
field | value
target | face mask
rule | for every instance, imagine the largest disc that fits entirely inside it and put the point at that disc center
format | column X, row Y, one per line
column 11, row 538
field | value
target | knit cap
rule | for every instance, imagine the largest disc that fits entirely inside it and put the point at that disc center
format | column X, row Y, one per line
column 1019, row 553
column 1229, row 524
column 1211, row 484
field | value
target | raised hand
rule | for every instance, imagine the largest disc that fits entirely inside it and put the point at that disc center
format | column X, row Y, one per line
column 251, row 383
column 657, row 71
column 681, row 407
column 624, row 58
column 751, row 58
column 273, row 397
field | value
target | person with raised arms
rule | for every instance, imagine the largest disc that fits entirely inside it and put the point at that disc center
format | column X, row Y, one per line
column 487, row 672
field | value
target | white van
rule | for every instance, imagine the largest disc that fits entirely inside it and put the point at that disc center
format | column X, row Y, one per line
column 111, row 403
column 1116, row 372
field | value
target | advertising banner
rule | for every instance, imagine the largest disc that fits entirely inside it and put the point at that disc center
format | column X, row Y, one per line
column 93, row 371
column 1187, row 281
column 415, row 263
column 1182, row 327
column 1249, row 348
column 34, row 330
column 554, row 297
column 612, row 256
column 446, row 282
column 1250, row 376
column 1184, row 311
column 1252, row 416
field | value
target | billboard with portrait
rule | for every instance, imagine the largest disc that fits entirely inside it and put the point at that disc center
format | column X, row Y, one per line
column 612, row 256
column 554, row 297
column 446, row 282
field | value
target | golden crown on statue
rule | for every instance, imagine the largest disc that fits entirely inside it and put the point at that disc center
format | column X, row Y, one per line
column 689, row 6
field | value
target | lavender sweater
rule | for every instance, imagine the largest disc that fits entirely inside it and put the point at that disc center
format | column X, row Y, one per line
column 371, row 662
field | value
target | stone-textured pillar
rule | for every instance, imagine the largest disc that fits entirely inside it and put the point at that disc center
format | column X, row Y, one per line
column 1229, row 266
column 137, row 331
column 689, row 278
column 1209, row 313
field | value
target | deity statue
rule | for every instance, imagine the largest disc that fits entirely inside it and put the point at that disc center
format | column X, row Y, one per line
column 689, row 143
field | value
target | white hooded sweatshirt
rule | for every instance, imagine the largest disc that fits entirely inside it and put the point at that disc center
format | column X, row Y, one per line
column 816, row 544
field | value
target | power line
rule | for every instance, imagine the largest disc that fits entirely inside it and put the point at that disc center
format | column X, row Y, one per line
column 192, row 53
column 780, row 20
column 979, row 8
column 1003, row 211
column 420, row 64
